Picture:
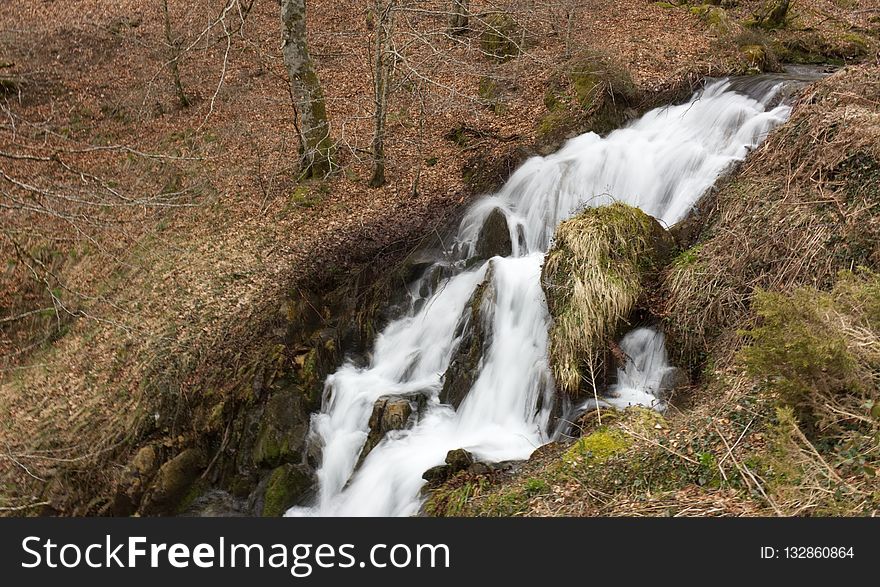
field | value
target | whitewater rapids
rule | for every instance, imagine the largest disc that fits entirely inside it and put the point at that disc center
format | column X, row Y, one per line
column 662, row 163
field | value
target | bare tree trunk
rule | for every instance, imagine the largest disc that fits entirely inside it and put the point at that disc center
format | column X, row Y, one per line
column 458, row 19
column 174, row 62
column 314, row 131
column 384, row 67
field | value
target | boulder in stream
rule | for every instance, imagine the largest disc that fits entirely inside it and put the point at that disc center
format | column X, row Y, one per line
column 390, row 412
column 494, row 237
column 286, row 486
column 593, row 278
column 464, row 366
column 456, row 460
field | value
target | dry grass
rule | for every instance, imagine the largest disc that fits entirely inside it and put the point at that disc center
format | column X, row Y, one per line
column 804, row 207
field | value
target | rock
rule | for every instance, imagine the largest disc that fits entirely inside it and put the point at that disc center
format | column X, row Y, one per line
column 755, row 56
column 594, row 276
column 494, row 237
column 459, row 460
column 479, row 469
column 284, row 487
column 715, row 17
column 396, row 414
column 216, row 504
column 389, row 413
column 502, row 38
column 283, row 430
column 436, row 475
column 464, row 366
column 145, row 461
column 173, row 482
column 672, row 380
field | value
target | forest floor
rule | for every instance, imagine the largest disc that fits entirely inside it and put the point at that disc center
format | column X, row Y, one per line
column 141, row 236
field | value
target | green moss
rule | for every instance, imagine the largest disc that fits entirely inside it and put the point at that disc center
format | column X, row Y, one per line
column 715, row 17
column 773, row 15
column 286, row 484
column 488, row 89
column 812, row 47
column 755, row 55
column 451, row 500
column 588, row 92
column 489, row 94
column 535, row 486
column 505, row 504
column 598, row 447
column 688, row 257
column 853, row 46
column 197, row 490
column 665, row 5
column 304, row 197
column 804, row 348
column 174, row 482
column 502, row 38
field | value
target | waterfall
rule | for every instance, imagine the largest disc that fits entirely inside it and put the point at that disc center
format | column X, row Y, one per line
column 661, row 163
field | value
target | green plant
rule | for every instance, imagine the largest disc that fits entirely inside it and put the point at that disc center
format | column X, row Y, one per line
column 820, row 351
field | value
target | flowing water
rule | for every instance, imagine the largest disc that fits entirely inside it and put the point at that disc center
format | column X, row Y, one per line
column 661, row 163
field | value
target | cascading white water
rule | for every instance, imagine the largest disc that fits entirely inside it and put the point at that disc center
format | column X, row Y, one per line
column 661, row 163
column 640, row 382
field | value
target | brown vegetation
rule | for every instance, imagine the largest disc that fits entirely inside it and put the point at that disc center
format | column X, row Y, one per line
column 158, row 247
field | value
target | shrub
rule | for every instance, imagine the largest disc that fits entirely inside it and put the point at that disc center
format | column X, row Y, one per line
column 820, row 351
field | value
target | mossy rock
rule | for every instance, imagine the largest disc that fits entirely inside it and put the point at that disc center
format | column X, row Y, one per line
column 852, row 46
column 502, row 38
column 592, row 279
column 589, row 92
column 487, row 89
column 464, row 367
column 286, row 485
column 459, row 459
column 283, row 430
column 494, row 237
column 173, row 481
column 715, row 17
column 755, row 56
column 811, row 47
column 491, row 94
column 773, row 15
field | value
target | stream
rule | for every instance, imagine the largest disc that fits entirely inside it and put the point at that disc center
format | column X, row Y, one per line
column 662, row 163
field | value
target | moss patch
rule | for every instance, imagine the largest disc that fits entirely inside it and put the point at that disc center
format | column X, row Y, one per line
column 589, row 92
column 820, row 351
column 598, row 447
column 715, row 17
column 502, row 38
column 286, row 485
